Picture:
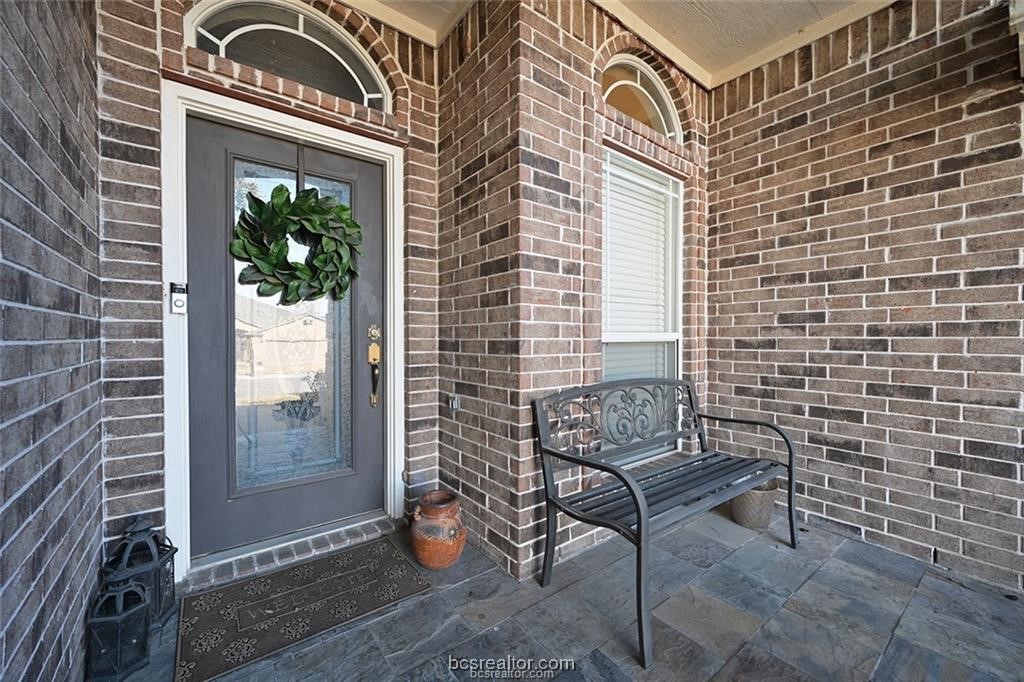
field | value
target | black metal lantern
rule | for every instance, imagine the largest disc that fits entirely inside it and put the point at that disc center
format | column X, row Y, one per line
column 146, row 556
column 118, row 632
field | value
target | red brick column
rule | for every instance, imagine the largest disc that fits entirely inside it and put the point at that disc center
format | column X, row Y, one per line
column 522, row 136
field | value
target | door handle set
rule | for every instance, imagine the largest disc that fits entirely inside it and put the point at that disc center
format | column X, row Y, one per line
column 373, row 359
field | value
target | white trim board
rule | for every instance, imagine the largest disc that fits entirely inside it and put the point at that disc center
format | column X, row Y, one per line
column 177, row 101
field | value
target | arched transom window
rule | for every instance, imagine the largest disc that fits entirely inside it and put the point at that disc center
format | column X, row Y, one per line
column 632, row 87
column 289, row 43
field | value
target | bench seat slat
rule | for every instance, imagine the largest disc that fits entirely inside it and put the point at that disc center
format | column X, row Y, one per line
column 723, row 477
column 640, row 477
column 684, row 512
column 693, row 493
column 675, row 484
column 650, row 481
column 722, row 488
column 698, row 504
column 709, row 475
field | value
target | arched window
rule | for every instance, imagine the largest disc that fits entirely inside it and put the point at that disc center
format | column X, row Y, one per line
column 285, row 41
column 633, row 88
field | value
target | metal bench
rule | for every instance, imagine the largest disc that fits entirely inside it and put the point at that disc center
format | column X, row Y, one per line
column 630, row 430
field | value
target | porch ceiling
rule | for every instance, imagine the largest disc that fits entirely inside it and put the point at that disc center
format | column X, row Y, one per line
column 717, row 40
column 713, row 40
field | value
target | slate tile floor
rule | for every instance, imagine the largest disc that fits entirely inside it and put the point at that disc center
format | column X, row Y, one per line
column 730, row 604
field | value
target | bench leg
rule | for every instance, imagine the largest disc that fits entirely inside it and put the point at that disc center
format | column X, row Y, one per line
column 643, row 613
column 549, row 545
column 792, row 512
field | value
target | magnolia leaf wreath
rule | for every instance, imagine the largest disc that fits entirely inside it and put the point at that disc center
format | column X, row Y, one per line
column 320, row 223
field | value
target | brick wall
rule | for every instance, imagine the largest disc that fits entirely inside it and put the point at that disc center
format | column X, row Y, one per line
column 49, row 337
column 137, row 46
column 129, row 127
column 852, row 218
column 477, row 266
column 523, row 129
column 865, row 255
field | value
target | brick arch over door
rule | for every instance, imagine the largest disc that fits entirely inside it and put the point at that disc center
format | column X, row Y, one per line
column 671, row 78
column 362, row 29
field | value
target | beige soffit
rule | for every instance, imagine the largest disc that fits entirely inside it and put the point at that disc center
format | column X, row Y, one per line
column 426, row 20
column 716, row 40
column 712, row 40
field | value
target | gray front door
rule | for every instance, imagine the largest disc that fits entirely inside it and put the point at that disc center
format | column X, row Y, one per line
column 282, row 435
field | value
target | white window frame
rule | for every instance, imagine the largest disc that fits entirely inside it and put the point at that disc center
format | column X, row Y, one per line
column 671, row 126
column 198, row 15
column 673, row 191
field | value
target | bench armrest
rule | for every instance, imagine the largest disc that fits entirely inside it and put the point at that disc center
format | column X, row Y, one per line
column 755, row 422
column 618, row 472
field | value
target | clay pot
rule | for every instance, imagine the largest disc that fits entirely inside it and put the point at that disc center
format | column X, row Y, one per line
column 753, row 509
column 438, row 534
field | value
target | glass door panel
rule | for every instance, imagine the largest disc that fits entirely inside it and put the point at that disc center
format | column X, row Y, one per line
column 292, row 368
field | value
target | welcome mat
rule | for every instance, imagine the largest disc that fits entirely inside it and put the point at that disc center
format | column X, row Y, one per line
column 228, row 627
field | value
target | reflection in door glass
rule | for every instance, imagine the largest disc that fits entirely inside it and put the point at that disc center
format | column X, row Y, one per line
column 292, row 368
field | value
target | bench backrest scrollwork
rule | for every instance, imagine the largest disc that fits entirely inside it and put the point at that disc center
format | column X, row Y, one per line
column 618, row 418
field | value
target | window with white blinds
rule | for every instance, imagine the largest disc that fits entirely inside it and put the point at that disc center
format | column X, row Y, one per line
column 640, row 324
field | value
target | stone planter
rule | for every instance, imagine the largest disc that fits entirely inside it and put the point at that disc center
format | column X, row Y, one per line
column 753, row 509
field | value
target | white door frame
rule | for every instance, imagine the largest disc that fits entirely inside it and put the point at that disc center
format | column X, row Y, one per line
column 178, row 100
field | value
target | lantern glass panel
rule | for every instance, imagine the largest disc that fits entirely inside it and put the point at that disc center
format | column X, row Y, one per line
column 104, row 651
column 166, row 585
column 134, row 639
column 118, row 628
